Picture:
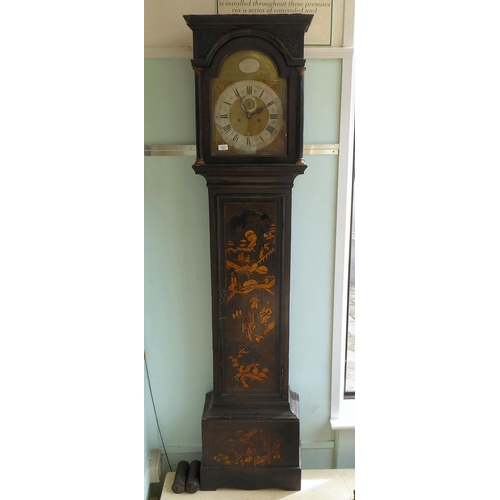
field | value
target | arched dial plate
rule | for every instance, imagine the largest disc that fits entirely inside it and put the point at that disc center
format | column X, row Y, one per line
column 249, row 107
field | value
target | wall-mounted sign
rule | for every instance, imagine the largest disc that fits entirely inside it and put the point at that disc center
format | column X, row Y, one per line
column 320, row 31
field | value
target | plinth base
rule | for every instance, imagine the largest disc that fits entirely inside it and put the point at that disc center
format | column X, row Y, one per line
column 286, row 478
column 251, row 447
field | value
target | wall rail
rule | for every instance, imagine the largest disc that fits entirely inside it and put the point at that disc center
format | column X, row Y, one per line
column 190, row 149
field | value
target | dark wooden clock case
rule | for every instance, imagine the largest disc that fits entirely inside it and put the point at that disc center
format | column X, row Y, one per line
column 250, row 422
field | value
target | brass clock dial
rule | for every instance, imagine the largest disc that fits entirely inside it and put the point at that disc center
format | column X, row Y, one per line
column 248, row 116
column 249, row 101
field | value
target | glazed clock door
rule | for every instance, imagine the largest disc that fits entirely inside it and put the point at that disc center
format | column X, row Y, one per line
column 249, row 106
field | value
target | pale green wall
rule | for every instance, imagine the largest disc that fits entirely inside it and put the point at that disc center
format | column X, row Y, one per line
column 177, row 274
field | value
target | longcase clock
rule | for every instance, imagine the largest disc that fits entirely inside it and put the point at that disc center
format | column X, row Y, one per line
column 249, row 72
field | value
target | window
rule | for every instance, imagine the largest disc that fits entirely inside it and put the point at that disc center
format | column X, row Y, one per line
column 342, row 403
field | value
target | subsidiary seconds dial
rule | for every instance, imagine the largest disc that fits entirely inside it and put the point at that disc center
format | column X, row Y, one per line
column 248, row 115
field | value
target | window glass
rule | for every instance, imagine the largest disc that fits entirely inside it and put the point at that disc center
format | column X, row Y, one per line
column 349, row 386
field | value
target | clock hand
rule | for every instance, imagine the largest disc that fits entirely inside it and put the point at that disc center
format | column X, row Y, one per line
column 249, row 110
column 247, row 113
column 258, row 111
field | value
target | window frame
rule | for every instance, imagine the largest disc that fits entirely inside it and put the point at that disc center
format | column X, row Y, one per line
column 342, row 410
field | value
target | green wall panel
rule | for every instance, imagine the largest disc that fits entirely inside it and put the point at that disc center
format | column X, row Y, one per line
column 177, row 294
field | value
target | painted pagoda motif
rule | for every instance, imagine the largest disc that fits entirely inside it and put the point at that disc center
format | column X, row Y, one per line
column 250, row 296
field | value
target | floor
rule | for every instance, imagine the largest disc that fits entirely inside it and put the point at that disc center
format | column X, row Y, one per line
column 323, row 484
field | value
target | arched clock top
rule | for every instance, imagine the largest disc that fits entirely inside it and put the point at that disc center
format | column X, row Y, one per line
column 255, row 40
column 284, row 31
column 266, row 53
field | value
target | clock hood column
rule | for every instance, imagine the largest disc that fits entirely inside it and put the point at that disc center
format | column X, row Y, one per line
column 198, row 117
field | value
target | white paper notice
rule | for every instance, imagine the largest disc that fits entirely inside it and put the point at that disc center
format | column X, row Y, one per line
column 320, row 31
